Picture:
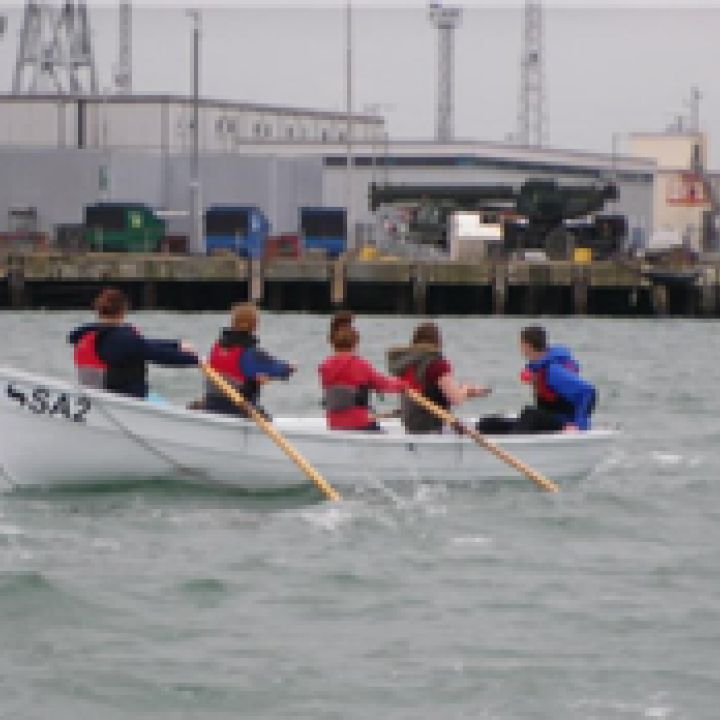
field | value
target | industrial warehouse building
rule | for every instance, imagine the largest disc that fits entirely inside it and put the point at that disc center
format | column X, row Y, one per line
column 61, row 153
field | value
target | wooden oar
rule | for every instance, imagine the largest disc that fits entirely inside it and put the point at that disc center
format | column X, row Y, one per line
column 269, row 429
column 540, row 480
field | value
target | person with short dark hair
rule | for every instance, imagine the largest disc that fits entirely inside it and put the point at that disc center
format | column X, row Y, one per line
column 236, row 355
column 111, row 355
column 425, row 369
column 347, row 380
column 564, row 401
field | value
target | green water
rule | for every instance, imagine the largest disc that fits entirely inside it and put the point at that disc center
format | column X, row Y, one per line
column 503, row 603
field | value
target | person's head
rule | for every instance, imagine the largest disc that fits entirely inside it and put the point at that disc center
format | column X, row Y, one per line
column 244, row 317
column 533, row 342
column 427, row 333
column 111, row 305
column 345, row 339
column 342, row 318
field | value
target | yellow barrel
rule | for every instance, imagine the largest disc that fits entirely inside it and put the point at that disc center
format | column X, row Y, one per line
column 582, row 255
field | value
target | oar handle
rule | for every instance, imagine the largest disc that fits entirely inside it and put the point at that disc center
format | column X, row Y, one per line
column 540, row 480
column 271, row 431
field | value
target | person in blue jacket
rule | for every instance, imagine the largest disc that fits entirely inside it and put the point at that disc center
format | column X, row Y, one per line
column 564, row 401
column 237, row 356
column 111, row 355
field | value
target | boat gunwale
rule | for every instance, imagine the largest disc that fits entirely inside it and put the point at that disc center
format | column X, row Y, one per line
column 185, row 415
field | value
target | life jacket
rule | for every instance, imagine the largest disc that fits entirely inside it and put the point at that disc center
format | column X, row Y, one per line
column 545, row 397
column 95, row 372
column 412, row 365
column 91, row 369
column 225, row 356
column 342, row 392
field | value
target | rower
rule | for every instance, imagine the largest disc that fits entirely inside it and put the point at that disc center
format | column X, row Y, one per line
column 342, row 318
column 112, row 355
column 347, row 380
column 564, row 401
column 424, row 367
column 237, row 357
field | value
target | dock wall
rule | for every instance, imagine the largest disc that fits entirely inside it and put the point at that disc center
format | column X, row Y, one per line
column 60, row 281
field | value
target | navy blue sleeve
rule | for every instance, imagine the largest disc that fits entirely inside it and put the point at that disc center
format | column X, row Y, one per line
column 126, row 344
column 579, row 392
column 167, row 352
column 254, row 362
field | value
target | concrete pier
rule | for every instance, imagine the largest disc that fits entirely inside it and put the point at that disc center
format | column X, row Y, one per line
column 623, row 288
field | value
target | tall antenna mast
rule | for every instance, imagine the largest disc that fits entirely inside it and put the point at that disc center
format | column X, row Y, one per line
column 532, row 124
column 123, row 73
column 445, row 20
column 55, row 50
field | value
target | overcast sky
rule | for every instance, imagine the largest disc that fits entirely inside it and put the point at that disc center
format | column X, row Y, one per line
column 608, row 69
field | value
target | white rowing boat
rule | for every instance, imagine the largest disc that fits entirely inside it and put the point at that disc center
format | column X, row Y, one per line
column 54, row 433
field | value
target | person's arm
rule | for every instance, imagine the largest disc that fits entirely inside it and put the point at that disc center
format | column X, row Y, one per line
column 579, row 392
column 167, row 352
column 254, row 363
column 457, row 393
column 384, row 383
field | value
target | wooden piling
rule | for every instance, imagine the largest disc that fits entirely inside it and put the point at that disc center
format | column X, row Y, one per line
column 580, row 289
column 660, row 300
column 256, row 281
column 499, row 289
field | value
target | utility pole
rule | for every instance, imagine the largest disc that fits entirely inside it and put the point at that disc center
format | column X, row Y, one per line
column 349, row 210
column 695, row 98
column 123, row 73
column 532, row 128
column 445, row 20
column 196, row 229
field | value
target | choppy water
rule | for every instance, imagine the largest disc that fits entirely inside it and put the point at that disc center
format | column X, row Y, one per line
column 600, row 602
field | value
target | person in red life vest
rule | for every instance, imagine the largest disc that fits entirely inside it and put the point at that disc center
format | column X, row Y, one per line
column 112, row 355
column 347, row 380
column 564, row 401
column 424, row 367
column 237, row 357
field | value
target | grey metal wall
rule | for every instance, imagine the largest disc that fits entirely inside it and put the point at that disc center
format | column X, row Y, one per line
column 59, row 183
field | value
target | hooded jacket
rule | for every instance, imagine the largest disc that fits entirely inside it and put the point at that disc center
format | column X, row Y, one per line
column 559, row 387
column 125, row 354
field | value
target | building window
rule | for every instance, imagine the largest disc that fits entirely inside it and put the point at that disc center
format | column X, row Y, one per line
column 268, row 130
column 324, row 135
column 291, row 132
column 257, row 130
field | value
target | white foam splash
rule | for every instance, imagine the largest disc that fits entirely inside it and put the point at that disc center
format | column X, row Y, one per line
column 327, row 518
column 667, row 459
column 472, row 540
column 658, row 713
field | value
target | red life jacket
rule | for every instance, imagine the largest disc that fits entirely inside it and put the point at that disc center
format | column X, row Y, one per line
column 545, row 397
column 346, row 393
column 226, row 361
column 85, row 352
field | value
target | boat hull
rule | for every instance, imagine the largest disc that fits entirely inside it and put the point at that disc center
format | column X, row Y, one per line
column 53, row 433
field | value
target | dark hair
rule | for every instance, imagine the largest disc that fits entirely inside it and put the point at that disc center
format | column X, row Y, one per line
column 534, row 336
column 342, row 318
column 427, row 333
column 111, row 303
column 345, row 337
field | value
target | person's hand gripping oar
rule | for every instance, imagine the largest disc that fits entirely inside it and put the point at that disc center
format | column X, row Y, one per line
column 269, row 429
column 540, row 480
